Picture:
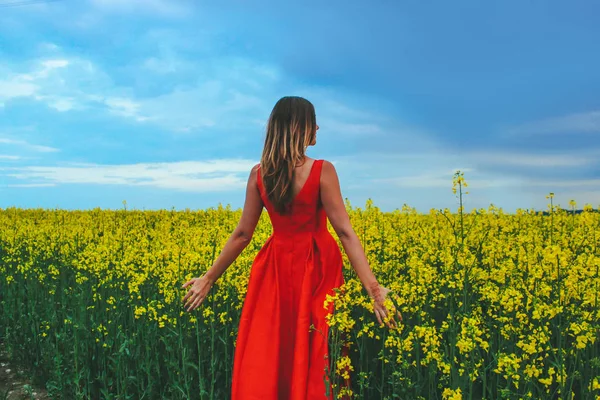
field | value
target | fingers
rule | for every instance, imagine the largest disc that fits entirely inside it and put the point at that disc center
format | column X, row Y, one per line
column 191, row 296
column 396, row 307
column 191, row 291
column 378, row 317
column 196, row 303
column 195, row 295
column 389, row 322
column 190, row 303
column 382, row 313
column 188, row 283
column 190, row 300
column 392, row 323
column 194, row 299
column 188, row 294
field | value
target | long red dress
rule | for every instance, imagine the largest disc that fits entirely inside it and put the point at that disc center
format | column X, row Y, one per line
column 278, row 356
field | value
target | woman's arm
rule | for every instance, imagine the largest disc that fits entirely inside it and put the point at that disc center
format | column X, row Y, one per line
column 242, row 234
column 334, row 206
column 237, row 242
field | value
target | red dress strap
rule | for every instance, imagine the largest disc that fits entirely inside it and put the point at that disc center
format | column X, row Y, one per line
column 317, row 179
column 259, row 179
column 318, row 168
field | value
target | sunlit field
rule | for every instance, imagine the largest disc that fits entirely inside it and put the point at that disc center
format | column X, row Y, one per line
column 494, row 305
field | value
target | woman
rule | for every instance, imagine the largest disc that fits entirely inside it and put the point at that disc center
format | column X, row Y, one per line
column 281, row 350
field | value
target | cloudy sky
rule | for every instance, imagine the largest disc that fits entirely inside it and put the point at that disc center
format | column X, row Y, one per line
column 163, row 103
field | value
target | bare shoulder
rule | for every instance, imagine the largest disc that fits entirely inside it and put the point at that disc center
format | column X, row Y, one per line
column 329, row 179
column 327, row 164
column 254, row 172
column 327, row 170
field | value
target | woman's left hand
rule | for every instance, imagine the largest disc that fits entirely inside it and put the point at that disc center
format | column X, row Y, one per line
column 197, row 293
column 379, row 295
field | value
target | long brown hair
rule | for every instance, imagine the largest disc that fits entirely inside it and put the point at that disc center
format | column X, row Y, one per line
column 291, row 128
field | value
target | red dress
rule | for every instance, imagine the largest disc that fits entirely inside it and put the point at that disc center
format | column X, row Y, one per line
column 278, row 356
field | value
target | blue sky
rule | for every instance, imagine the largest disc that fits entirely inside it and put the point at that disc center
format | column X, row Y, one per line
column 163, row 103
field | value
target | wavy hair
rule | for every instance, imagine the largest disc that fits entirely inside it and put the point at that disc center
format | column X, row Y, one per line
column 291, row 128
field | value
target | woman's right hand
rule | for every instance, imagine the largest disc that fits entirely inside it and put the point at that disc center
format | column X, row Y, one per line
column 379, row 293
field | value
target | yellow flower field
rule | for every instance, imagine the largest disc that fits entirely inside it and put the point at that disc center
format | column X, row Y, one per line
column 494, row 305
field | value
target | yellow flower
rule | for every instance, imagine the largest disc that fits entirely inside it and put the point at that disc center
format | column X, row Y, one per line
column 449, row 394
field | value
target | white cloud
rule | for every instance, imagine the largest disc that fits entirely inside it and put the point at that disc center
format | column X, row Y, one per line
column 566, row 183
column 341, row 127
column 161, row 65
column 338, row 108
column 45, row 68
column 189, row 176
column 53, row 64
column 175, row 8
column 48, row 46
column 125, row 107
column 223, row 96
column 444, row 180
column 585, row 122
column 13, row 88
column 33, row 83
column 425, row 180
column 232, row 92
column 535, row 160
column 435, row 169
column 43, row 149
column 31, row 185
column 204, row 105
column 9, row 157
column 27, row 145
column 62, row 104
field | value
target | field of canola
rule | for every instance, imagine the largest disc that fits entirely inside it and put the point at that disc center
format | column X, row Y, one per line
column 494, row 306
